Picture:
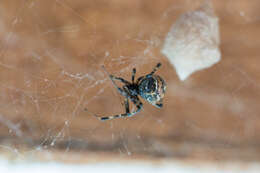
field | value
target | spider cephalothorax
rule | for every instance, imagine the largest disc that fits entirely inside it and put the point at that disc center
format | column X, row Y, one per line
column 150, row 87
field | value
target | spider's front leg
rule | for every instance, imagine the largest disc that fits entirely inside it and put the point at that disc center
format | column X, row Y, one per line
column 133, row 75
column 120, row 90
column 113, row 78
column 155, row 69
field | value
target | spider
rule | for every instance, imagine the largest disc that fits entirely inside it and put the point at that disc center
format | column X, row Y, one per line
column 150, row 87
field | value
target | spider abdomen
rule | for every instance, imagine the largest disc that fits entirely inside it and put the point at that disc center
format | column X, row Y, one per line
column 147, row 85
column 152, row 89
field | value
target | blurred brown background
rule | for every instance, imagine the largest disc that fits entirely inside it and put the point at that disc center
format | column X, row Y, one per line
column 51, row 54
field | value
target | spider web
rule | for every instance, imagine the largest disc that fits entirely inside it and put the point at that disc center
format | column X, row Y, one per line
column 51, row 54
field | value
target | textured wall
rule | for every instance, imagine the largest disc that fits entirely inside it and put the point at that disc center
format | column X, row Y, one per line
column 51, row 54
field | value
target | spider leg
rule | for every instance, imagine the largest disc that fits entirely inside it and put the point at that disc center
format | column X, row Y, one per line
column 138, row 105
column 133, row 75
column 155, row 69
column 119, row 78
column 113, row 78
column 126, row 105
column 120, row 90
column 150, row 74
column 159, row 104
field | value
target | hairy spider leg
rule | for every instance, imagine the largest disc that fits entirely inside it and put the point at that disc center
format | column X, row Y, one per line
column 159, row 104
column 120, row 90
column 155, row 69
column 127, row 105
column 150, row 74
column 119, row 78
column 133, row 75
column 138, row 105
column 112, row 77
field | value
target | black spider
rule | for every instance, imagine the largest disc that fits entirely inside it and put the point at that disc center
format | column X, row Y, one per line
column 150, row 87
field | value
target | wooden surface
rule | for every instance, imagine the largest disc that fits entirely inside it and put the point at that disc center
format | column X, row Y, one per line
column 51, row 54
